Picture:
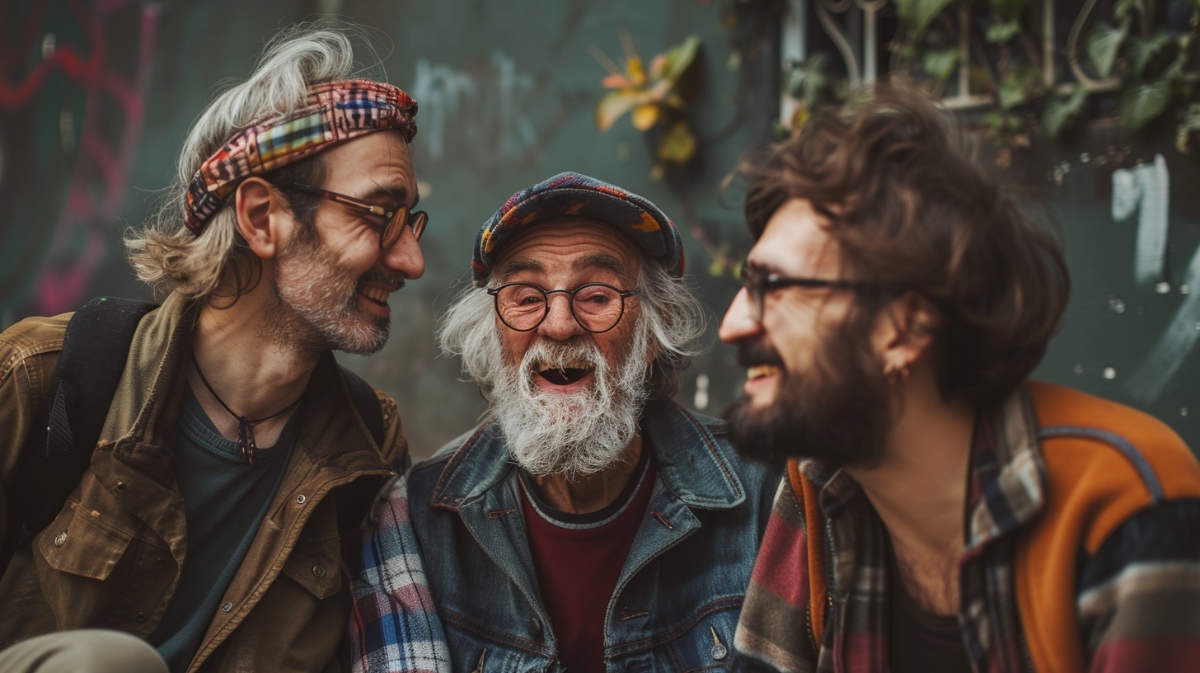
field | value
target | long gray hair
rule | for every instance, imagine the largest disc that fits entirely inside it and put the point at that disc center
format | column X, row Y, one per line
column 164, row 253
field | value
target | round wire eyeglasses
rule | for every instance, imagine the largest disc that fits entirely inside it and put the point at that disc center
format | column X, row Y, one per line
column 597, row 307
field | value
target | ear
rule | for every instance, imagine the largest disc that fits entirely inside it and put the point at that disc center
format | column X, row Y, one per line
column 903, row 331
column 260, row 216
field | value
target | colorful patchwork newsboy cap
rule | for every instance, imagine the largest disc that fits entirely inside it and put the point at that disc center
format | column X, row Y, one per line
column 572, row 194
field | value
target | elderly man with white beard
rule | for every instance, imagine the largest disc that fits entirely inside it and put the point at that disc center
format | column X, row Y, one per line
column 589, row 523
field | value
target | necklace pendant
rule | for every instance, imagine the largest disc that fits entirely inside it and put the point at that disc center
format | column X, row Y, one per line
column 246, row 440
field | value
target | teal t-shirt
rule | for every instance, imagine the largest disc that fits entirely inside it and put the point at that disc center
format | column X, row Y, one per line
column 225, row 499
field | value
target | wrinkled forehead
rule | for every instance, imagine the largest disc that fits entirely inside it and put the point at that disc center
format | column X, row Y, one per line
column 380, row 158
column 569, row 245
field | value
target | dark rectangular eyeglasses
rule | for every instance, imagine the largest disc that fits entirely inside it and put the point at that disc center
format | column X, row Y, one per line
column 758, row 283
column 392, row 222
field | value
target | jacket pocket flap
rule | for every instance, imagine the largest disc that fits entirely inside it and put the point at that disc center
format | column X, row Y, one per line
column 317, row 568
column 82, row 545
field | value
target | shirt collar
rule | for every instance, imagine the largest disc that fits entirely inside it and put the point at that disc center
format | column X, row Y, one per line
column 1007, row 473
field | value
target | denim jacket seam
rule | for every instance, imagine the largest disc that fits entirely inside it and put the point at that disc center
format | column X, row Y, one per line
column 673, row 633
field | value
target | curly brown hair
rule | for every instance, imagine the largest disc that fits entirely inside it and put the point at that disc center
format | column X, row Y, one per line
column 911, row 212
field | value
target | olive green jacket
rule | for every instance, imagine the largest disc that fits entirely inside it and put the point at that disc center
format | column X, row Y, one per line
column 111, row 559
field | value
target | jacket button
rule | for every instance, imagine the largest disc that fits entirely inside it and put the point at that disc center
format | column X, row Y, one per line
column 301, row 499
column 719, row 652
column 227, row 607
column 158, row 562
column 319, row 570
column 121, row 486
column 141, row 616
column 535, row 627
column 60, row 539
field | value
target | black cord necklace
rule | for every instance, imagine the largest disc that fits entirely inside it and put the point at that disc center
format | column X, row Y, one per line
column 245, row 432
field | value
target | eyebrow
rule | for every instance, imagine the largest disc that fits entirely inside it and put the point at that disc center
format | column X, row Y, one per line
column 514, row 266
column 596, row 259
column 398, row 196
column 602, row 260
column 759, row 267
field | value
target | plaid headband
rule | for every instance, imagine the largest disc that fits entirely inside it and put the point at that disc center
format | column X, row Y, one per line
column 335, row 112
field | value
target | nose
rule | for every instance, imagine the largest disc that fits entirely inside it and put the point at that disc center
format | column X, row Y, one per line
column 404, row 257
column 738, row 324
column 559, row 324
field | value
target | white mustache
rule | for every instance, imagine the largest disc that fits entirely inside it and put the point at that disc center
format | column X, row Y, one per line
column 545, row 355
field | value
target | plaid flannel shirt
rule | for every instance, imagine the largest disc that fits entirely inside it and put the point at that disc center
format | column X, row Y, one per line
column 1137, row 598
column 394, row 626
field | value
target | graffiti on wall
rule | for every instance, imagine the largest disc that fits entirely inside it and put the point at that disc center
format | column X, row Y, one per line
column 1144, row 192
column 482, row 113
column 101, row 140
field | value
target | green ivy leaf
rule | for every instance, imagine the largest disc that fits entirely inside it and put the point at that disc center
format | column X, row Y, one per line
column 1189, row 125
column 919, row 13
column 1150, row 57
column 1015, row 88
column 1063, row 111
column 1103, row 43
column 1124, row 9
column 1003, row 31
column 941, row 63
column 1139, row 103
column 1010, row 92
column 1002, row 123
column 806, row 81
column 1008, row 9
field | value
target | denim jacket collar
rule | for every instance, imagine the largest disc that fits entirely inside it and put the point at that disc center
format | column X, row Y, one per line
column 701, row 479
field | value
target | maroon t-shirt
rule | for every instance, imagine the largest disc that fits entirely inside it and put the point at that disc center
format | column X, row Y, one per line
column 578, row 559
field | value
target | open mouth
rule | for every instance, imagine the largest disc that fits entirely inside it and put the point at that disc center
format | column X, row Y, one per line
column 376, row 294
column 565, row 376
column 761, row 371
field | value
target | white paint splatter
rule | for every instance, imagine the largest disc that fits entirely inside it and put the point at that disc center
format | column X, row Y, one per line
column 1164, row 360
column 1145, row 189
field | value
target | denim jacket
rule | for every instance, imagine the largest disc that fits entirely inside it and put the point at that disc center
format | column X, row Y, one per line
column 677, row 601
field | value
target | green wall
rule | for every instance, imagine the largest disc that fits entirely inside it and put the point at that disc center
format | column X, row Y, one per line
column 92, row 118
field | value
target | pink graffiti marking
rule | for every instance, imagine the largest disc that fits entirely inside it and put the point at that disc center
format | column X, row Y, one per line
column 86, row 226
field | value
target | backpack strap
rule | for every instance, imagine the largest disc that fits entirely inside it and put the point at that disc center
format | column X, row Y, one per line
column 95, row 348
column 353, row 506
column 367, row 402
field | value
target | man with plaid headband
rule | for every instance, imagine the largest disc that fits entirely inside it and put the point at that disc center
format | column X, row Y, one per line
column 590, row 524
column 237, row 457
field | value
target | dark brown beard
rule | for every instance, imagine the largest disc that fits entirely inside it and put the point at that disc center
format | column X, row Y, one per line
column 838, row 413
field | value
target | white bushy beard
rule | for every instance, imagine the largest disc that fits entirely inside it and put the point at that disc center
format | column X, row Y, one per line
column 576, row 434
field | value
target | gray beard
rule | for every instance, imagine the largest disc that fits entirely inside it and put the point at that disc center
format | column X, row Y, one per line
column 578, row 434
column 314, row 304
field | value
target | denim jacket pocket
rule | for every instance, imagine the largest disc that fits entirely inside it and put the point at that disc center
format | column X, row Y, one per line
column 317, row 567
column 81, row 543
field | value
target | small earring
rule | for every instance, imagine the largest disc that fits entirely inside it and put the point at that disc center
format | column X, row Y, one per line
column 894, row 374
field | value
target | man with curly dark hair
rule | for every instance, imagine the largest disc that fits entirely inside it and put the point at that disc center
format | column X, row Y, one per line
column 941, row 511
